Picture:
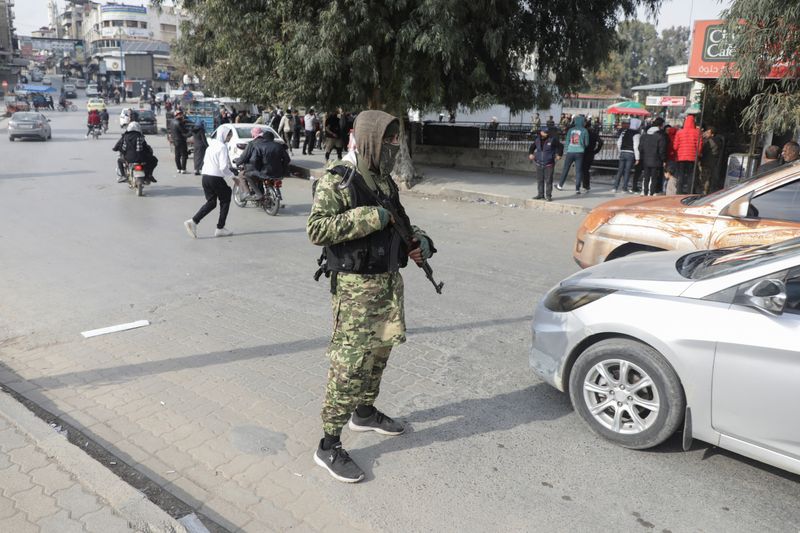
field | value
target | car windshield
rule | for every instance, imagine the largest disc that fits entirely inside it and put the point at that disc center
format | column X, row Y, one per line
column 713, row 197
column 244, row 133
column 25, row 116
column 146, row 114
column 713, row 263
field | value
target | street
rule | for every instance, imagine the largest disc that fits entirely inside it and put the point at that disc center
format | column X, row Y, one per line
column 218, row 399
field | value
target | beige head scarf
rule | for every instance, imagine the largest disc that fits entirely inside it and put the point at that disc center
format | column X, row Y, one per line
column 368, row 130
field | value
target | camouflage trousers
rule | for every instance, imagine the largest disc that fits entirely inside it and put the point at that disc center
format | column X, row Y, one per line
column 368, row 320
column 354, row 378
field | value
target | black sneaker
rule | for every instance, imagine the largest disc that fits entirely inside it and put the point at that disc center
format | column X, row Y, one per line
column 538, row 197
column 338, row 463
column 377, row 422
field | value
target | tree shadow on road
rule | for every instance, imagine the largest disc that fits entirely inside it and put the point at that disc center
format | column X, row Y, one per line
column 131, row 371
column 53, row 174
column 167, row 191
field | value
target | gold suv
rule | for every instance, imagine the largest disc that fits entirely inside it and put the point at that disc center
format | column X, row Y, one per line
column 763, row 210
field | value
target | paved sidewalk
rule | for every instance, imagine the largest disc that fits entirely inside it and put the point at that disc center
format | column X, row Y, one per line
column 510, row 189
column 49, row 485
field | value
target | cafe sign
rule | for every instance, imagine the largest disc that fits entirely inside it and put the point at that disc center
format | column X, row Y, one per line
column 712, row 51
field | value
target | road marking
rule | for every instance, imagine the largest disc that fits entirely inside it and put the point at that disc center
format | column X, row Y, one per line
column 114, row 329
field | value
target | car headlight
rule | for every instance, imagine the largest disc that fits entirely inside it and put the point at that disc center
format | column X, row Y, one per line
column 566, row 299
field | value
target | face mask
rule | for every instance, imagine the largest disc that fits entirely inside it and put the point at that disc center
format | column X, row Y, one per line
column 388, row 157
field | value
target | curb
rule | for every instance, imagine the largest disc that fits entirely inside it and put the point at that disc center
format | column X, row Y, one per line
column 475, row 196
column 126, row 501
column 481, row 197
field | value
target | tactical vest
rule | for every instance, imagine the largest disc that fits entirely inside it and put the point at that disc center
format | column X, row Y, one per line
column 380, row 251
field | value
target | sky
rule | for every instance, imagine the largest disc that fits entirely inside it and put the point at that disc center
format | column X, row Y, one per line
column 31, row 14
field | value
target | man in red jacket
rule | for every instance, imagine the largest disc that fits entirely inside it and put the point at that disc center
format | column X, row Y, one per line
column 687, row 146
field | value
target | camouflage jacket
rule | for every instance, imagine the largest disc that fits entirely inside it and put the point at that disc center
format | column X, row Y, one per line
column 333, row 218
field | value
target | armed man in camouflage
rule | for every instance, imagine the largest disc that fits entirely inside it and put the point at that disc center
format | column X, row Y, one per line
column 364, row 256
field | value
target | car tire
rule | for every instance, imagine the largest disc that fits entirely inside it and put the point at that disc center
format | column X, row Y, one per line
column 637, row 415
column 10, row 138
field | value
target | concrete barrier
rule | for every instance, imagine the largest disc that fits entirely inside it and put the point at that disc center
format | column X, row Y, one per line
column 499, row 161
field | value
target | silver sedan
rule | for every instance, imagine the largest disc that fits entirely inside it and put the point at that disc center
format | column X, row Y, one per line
column 26, row 124
column 708, row 342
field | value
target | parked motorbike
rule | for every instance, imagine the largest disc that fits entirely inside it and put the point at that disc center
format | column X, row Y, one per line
column 244, row 195
column 134, row 172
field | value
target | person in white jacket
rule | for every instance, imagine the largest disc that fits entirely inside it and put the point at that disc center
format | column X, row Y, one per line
column 216, row 167
column 286, row 127
column 628, row 145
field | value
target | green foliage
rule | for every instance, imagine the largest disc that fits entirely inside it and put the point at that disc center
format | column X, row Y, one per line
column 427, row 54
column 769, row 34
column 642, row 57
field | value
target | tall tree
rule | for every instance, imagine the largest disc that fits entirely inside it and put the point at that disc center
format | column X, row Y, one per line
column 765, row 33
column 426, row 54
column 642, row 57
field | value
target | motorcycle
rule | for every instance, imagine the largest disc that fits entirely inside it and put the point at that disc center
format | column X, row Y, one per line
column 96, row 131
column 134, row 172
column 271, row 198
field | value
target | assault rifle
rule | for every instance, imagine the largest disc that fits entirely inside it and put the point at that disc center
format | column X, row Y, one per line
column 399, row 222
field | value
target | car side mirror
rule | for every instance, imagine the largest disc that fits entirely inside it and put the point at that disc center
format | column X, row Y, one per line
column 766, row 295
column 739, row 208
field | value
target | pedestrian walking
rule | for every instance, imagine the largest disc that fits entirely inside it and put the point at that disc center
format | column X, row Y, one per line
column 687, row 144
column 297, row 132
column 577, row 142
column 216, row 167
column 628, row 146
column 364, row 258
column 545, row 151
column 179, row 141
column 653, row 155
column 286, row 127
column 333, row 134
column 595, row 145
column 200, row 143
column 308, row 125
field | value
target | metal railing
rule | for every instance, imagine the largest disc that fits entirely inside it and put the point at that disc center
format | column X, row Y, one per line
column 519, row 136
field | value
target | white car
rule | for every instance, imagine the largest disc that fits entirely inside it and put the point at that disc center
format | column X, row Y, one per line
column 91, row 90
column 80, row 83
column 241, row 136
column 707, row 342
column 47, row 81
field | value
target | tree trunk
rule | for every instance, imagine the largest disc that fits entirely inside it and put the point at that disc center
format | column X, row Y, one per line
column 403, row 171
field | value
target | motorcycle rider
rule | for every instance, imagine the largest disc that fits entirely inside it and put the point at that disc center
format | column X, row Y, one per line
column 104, row 119
column 245, row 160
column 92, row 121
column 268, row 159
column 133, row 148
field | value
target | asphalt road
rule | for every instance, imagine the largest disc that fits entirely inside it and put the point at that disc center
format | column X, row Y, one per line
column 218, row 399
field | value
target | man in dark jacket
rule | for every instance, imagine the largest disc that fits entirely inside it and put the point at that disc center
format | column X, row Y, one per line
column 653, row 154
column 200, row 144
column 544, row 152
column 710, row 155
column 595, row 145
column 179, row 140
column 263, row 158
column 133, row 148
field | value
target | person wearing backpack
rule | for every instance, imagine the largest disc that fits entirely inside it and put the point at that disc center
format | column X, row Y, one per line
column 577, row 143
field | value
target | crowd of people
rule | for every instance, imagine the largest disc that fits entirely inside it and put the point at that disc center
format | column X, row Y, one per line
column 654, row 157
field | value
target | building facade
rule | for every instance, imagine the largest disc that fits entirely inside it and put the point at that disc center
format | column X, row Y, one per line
column 112, row 31
column 8, row 46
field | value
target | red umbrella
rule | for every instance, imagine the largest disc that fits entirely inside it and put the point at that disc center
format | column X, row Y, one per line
column 628, row 108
